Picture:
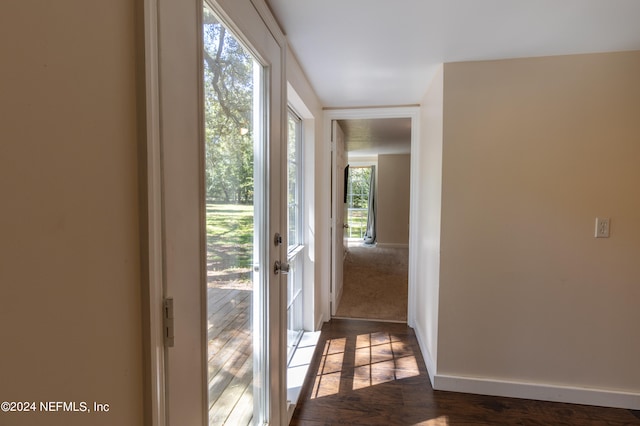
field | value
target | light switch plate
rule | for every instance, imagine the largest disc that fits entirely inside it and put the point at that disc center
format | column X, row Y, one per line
column 602, row 227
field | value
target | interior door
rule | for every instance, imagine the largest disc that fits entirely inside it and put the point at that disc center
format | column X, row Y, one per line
column 339, row 240
column 187, row 222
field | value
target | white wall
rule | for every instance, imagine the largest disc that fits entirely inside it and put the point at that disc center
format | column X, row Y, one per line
column 303, row 99
column 69, row 245
column 427, row 165
column 531, row 304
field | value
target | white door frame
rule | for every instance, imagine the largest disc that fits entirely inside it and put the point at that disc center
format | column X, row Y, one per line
column 151, row 225
column 412, row 112
column 338, row 158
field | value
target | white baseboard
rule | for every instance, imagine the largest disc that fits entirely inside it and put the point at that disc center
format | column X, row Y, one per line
column 542, row 392
column 426, row 355
column 291, row 407
column 319, row 323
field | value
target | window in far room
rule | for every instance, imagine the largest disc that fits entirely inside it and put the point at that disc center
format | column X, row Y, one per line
column 358, row 201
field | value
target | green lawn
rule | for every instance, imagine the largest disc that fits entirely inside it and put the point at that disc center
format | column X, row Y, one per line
column 230, row 238
column 357, row 221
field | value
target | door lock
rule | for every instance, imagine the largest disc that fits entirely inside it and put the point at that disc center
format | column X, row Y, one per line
column 281, row 268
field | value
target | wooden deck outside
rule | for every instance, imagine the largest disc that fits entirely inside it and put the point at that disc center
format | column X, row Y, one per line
column 230, row 360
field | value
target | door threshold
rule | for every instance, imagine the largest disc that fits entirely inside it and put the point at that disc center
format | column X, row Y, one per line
column 370, row 319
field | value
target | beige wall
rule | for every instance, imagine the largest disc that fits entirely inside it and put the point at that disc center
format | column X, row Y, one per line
column 392, row 220
column 534, row 151
column 69, row 251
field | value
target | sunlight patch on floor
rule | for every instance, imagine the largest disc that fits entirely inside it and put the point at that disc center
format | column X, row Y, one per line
column 327, row 380
column 373, row 359
column 439, row 421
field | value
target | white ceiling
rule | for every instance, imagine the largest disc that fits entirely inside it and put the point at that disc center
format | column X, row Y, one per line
column 374, row 52
column 369, row 137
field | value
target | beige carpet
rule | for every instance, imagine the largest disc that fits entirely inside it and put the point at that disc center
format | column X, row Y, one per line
column 375, row 284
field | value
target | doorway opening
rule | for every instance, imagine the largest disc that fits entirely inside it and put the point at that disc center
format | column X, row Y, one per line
column 368, row 135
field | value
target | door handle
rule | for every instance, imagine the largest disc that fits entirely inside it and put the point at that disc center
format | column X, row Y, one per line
column 281, row 268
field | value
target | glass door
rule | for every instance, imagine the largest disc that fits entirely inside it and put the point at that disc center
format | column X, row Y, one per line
column 234, row 211
column 222, row 120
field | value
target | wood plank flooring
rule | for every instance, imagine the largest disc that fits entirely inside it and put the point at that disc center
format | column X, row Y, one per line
column 372, row 373
column 230, row 362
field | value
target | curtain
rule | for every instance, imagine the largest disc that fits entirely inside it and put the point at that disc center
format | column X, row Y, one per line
column 370, row 233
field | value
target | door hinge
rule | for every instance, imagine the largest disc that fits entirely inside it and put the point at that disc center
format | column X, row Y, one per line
column 167, row 322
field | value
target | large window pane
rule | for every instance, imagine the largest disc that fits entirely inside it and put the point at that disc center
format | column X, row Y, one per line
column 296, row 248
column 232, row 99
column 294, row 196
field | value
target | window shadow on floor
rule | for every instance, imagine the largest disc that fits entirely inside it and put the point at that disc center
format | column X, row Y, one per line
column 373, row 373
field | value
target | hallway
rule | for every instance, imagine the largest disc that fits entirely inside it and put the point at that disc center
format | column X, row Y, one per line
column 372, row 373
column 375, row 283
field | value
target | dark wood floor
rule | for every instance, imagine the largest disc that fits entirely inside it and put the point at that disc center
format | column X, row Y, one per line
column 372, row 373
